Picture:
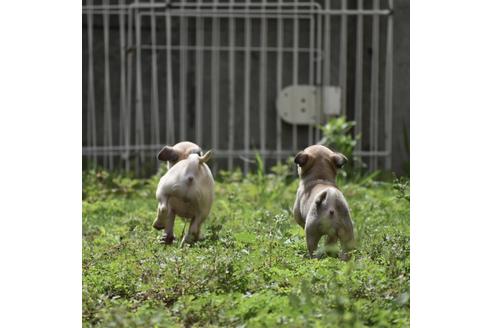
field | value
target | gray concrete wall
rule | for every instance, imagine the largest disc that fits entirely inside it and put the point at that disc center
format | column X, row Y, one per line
column 401, row 89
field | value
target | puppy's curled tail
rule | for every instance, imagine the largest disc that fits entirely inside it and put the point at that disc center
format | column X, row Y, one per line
column 320, row 198
column 205, row 158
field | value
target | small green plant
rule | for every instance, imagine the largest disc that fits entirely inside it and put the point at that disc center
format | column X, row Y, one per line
column 402, row 187
column 337, row 134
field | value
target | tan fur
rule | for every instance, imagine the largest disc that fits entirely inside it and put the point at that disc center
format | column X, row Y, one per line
column 317, row 168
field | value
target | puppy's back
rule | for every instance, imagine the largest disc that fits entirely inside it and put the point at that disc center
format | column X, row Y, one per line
column 307, row 195
column 186, row 178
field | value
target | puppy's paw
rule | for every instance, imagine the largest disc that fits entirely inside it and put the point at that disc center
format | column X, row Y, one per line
column 311, row 256
column 167, row 239
column 158, row 225
column 344, row 256
column 188, row 239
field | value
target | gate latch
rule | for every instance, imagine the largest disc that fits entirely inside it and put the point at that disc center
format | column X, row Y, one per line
column 306, row 104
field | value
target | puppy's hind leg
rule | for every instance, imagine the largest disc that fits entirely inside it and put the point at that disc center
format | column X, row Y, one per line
column 312, row 240
column 193, row 232
column 168, row 236
column 347, row 241
column 331, row 245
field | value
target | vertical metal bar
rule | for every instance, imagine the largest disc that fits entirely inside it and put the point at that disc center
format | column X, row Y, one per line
column 154, row 83
column 183, row 67
column 358, row 72
column 295, row 68
column 319, row 62
column 263, row 85
column 138, row 99
column 215, row 82
column 280, row 42
column 232, row 91
column 169, row 70
column 199, row 74
column 108, row 131
column 342, row 73
column 311, row 32
column 155, row 126
column 91, row 103
column 389, row 88
column 374, row 87
column 247, row 71
column 129, row 79
column 199, row 79
column 122, row 130
column 327, row 54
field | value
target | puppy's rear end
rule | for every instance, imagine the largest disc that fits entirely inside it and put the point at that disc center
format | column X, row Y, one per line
column 329, row 216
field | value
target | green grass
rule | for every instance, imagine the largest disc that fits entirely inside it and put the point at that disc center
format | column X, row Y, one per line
column 251, row 269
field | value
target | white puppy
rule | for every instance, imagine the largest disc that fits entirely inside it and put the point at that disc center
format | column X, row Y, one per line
column 186, row 190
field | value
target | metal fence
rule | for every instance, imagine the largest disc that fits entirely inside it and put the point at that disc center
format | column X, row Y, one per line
column 239, row 77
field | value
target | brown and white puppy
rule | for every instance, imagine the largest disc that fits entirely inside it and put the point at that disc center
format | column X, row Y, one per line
column 186, row 190
column 320, row 207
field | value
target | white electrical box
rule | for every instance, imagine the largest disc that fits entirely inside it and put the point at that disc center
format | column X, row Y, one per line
column 305, row 104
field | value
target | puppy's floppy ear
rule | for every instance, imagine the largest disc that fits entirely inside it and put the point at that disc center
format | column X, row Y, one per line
column 301, row 158
column 168, row 154
column 206, row 157
column 339, row 160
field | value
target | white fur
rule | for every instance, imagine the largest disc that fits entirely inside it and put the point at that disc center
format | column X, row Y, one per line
column 186, row 190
